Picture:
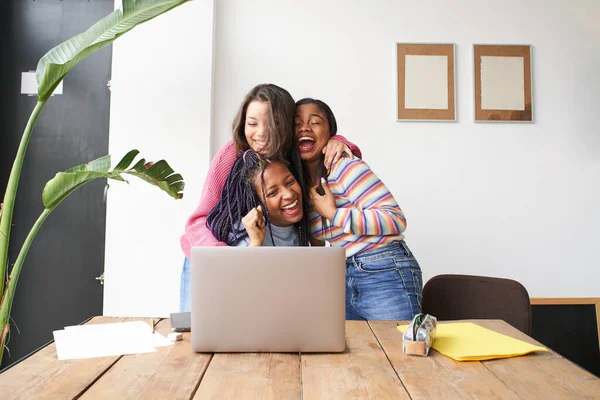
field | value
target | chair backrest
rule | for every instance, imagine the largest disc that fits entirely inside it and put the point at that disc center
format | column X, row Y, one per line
column 451, row 297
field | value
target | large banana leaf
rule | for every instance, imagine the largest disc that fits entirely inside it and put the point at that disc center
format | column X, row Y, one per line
column 57, row 63
column 159, row 174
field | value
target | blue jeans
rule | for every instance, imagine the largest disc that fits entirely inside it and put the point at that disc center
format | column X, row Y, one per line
column 383, row 284
column 185, row 292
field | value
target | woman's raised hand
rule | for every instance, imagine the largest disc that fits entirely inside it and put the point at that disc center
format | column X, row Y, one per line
column 324, row 205
column 254, row 222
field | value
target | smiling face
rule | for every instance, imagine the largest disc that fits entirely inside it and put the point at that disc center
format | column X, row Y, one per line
column 283, row 194
column 312, row 131
column 257, row 126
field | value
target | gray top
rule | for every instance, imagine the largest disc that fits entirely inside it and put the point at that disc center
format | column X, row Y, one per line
column 283, row 236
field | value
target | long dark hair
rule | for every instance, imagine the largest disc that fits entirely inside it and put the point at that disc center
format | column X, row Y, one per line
column 282, row 144
column 239, row 196
column 325, row 109
column 280, row 131
column 322, row 172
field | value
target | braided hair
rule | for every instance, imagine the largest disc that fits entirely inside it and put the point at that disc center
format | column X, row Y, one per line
column 239, row 197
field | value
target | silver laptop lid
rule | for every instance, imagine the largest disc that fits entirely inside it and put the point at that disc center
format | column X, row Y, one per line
column 268, row 299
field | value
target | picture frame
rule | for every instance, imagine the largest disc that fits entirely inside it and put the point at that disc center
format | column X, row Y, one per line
column 426, row 82
column 503, row 83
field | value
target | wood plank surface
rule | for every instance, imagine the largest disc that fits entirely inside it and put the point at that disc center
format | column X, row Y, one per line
column 251, row 376
column 364, row 370
column 437, row 376
column 361, row 372
column 533, row 377
column 43, row 376
column 172, row 372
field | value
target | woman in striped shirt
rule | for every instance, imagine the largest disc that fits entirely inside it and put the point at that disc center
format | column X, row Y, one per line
column 352, row 208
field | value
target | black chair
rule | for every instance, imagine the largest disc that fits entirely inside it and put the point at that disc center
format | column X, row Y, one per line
column 451, row 297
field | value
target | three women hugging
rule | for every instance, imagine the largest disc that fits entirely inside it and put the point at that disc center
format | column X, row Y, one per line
column 287, row 179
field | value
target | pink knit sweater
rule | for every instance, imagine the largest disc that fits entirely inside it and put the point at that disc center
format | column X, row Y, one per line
column 196, row 231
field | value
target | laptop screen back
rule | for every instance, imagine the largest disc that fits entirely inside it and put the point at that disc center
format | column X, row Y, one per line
column 268, row 299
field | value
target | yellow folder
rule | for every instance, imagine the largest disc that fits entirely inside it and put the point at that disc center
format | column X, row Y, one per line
column 466, row 341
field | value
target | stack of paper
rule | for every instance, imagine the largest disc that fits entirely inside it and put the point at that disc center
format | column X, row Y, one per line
column 466, row 341
column 101, row 340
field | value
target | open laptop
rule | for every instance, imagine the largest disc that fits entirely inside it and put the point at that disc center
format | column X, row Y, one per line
column 268, row 299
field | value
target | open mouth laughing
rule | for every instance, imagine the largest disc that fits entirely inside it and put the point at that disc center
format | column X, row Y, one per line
column 291, row 209
column 306, row 143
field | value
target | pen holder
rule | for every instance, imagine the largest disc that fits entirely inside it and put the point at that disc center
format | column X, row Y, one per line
column 419, row 335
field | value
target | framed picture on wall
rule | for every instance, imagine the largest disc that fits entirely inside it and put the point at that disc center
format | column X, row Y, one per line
column 425, row 82
column 502, row 83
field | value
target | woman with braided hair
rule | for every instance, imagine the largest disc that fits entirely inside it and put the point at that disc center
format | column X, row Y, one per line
column 265, row 198
column 265, row 124
column 261, row 205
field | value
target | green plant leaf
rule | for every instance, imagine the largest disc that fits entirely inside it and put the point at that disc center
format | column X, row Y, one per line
column 65, row 183
column 126, row 161
column 56, row 64
column 101, row 164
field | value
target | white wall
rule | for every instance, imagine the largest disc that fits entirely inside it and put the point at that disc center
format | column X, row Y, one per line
column 161, row 105
column 509, row 200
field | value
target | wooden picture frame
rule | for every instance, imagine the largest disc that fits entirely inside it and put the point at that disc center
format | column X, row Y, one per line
column 426, row 79
column 503, row 83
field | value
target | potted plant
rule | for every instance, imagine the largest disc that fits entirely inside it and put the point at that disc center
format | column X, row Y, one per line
column 51, row 70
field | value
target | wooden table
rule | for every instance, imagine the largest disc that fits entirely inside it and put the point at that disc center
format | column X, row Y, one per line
column 372, row 366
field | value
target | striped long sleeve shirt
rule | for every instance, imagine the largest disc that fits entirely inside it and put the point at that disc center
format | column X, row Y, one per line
column 367, row 214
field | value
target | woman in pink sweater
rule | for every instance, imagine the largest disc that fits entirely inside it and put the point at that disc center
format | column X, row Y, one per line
column 265, row 124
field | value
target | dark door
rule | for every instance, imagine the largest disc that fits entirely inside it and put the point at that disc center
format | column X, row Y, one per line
column 57, row 286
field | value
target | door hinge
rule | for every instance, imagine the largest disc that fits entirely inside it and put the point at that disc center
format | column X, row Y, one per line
column 100, row 278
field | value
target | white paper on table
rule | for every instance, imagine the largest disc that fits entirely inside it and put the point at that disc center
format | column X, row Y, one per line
column 101, row 340
column 159, row 340
column 132, row 327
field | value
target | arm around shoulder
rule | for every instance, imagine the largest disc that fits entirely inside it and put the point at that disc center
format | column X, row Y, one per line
column 353, row 148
